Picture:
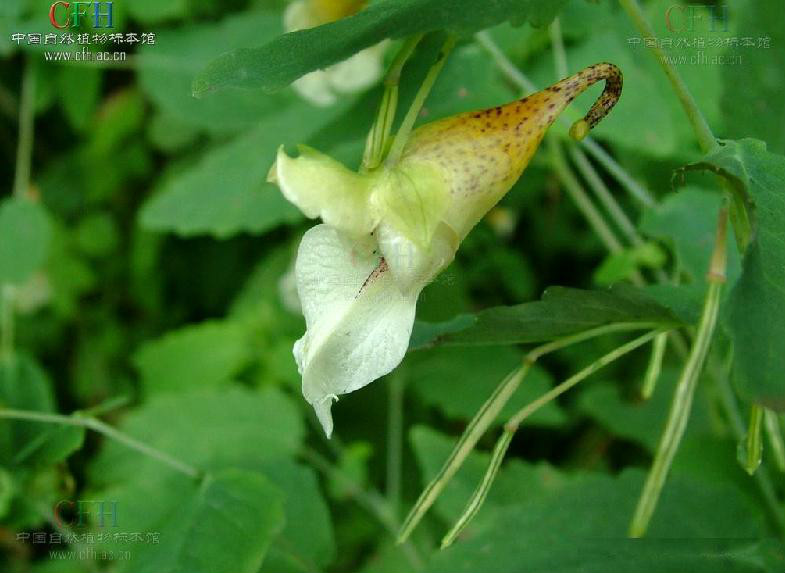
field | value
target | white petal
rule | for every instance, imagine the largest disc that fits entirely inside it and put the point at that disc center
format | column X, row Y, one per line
column 358, row 320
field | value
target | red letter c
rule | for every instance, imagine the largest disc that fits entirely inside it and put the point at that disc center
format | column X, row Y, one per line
column 52, row 11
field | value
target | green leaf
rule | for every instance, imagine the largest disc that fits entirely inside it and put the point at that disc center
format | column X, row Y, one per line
column 215, row 431
column 756, row 314
column 582, row 528
column 685, row 301
column 561, row 312
column 24, row 239
column 80, row 90
column 25, row 386
column 687, row 220
column 306, row 542
column 281, row 61
column 458, row 380
column 754, row 82
column 208, row 429
column 167, row 68
column 154, row 11
column 226, row 191
column 642, row 421
column 620, row 266
column 226, row 523
column 426, row 334
column 195, row 356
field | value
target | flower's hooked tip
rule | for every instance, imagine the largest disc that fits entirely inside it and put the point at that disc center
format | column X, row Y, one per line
column 323, row 409
column 579, row 82
column 579, row 129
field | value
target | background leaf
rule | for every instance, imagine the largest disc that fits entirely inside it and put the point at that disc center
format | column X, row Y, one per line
column 198, row 356
column 24, row 239
column 756, row 320
column 561, row 312
column 280, row 62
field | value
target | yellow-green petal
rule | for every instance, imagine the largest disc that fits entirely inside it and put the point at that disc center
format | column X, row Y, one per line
column 322, row 187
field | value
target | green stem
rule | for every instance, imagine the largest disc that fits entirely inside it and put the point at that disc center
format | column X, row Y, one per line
column 517, row 77
column 395, row 439
column 733, row 413
column 635, row 189
column 379, row 136
column 106, row 430
column 6, row 323
column 594, row 180
column 582, row 201
column 488, row 412
column 557, row 391
column 474, row 431
column 396, row 150
column 752, row 444
column 393, row 76
column 603, row 194
column 8, row 103
column 772, row 424
column 559, row 53
column 479, row 495
column 24, row 148
column 685, row 388
column 655, row 366
column 699, row 124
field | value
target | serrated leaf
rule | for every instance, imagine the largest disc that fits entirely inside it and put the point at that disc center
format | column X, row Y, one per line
column 195, row 356
column 226, row 191
column 288, row 57
column 756, row 314
column 561, row 311
column 24, row 239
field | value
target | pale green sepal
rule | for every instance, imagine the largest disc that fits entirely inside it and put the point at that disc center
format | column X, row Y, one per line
column 412, row 265
column 413, row 198
column 322, row 187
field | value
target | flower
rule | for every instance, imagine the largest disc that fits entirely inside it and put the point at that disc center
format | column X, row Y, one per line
column 357, row 73
column 389, row 231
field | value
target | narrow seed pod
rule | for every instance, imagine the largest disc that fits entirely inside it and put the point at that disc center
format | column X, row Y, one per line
column 482, row 153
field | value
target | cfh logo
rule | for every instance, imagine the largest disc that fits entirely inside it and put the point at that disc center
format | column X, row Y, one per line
column 680, row 18
column 70, row 14
column 77, row 513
